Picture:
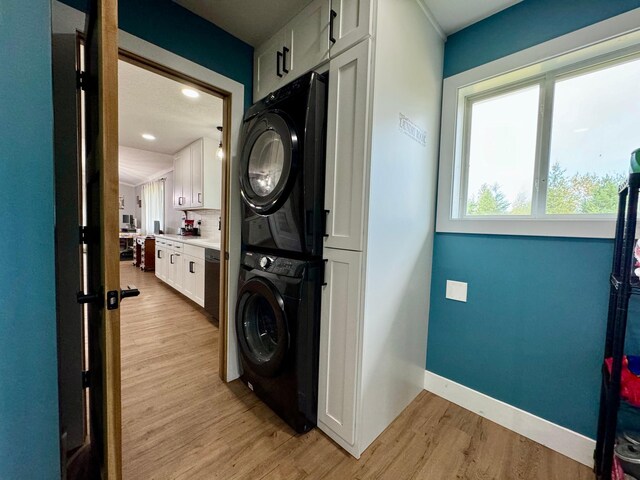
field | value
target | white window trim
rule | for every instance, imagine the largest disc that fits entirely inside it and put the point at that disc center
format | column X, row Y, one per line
column 615, row 34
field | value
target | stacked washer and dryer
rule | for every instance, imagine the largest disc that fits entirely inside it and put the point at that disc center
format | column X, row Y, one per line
column 282, row 169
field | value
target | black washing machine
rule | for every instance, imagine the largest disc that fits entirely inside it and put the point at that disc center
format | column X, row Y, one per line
column 282, row 169
column 278, row 329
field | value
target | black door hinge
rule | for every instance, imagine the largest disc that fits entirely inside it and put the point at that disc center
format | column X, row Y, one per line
column 86, row 379
column 83, row 235
column 81, row 80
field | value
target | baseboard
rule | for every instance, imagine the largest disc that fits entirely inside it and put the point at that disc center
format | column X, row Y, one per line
column 561, row 439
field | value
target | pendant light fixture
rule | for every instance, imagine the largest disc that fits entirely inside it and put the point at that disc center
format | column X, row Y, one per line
column 220, row 152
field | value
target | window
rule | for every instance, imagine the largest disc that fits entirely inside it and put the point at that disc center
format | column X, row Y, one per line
column 541, row 149
column 590, row 115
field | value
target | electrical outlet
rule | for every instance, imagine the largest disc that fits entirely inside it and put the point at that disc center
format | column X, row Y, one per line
column 456, row 291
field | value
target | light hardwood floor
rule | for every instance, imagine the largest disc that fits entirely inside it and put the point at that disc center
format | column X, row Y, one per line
column 181, row 422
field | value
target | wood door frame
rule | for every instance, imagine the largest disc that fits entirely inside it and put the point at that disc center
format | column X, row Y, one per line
column 225, row 96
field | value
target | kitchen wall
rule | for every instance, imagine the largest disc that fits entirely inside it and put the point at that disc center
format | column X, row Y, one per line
column 532, row 331
column 28, row 364
column 130, row 203
column 209, row 225
column 174, row 28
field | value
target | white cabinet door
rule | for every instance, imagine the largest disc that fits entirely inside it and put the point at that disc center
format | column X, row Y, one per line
column 189, row 279
column 161, row 261
column 339, row 344
column 178, row 271
column 196, row 270
column 211, row 181
column 307, row 38
column 267, row 64
column 351, row 23
column 197, row 173
column 182, row 178
column 347, row 148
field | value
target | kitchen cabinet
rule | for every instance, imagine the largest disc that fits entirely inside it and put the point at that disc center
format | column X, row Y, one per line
column 161, row 259
column 193, row 266
column 197, row 180
column 347, row 147
column 383, row 120
column 300, row 46
column 181, row 266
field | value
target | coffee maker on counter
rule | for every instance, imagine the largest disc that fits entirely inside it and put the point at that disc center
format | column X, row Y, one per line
column 189, row 229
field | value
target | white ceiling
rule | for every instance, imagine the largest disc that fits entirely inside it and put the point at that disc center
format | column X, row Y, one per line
column 140, row 166
column 454, row 15
column 254, row 21
column 151, row 103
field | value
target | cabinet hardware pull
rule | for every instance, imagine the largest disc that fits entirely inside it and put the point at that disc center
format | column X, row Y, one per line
column 171, row 259
column 278, row 58
column 285, row 50
column 180, row 200
column 159, row 252
column 326, row 219
column 334, row 14
column 199, row 197
column 324, row 273
column 191, row 264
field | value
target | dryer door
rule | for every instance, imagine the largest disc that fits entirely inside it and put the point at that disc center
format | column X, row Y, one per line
column 268, row 163
column 261, row 327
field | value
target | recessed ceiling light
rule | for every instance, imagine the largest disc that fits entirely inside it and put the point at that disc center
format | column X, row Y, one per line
column 148, row 136
column 190, row 92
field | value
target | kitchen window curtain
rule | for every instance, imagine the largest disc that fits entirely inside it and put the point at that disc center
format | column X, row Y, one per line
column 153, row 205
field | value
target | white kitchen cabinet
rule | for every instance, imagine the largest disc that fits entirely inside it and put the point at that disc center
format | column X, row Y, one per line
column 300, row 46
column 198, row 177
column 348, row 133
column 339, row 342
column 181, row 266
column 193, row 278
column 161, row 260
column 182, row 178
column 351, row 23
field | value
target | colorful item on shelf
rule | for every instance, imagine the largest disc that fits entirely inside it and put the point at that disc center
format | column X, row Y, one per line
column 629, row 383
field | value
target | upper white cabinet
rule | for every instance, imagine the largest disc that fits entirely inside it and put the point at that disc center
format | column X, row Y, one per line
column 351, row 23
column 297, row 48
column 347, row 147
column 197, row 179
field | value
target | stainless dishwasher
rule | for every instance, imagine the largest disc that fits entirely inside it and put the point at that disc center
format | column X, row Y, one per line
column 212, row 282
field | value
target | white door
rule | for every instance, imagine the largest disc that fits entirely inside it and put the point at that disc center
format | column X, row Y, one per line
column 267, row 64
column 188, row 276
column 347, row 148
column 179, row 160
column 197, row 173
column 308, row 39
column 160, row 261
column 339, row 344
column 351, row 22
column 197, row 271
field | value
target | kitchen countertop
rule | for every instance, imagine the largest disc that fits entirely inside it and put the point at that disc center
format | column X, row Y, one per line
column 197, row 241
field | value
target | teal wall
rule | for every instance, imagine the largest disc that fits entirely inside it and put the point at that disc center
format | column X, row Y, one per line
column 532, row 331
column 174, row 28
column 525, row 24
column 28, row 369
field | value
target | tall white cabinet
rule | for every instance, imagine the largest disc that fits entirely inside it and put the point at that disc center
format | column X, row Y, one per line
column 385, row 75
column 197, row 181
column 380, row 193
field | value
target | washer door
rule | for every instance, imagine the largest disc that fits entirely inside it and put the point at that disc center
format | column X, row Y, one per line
column 261, row 327
column 268, row 163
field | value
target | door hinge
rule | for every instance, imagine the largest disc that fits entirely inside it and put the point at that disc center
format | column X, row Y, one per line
column 83, row 235
column 86, row 378
column 81, row 80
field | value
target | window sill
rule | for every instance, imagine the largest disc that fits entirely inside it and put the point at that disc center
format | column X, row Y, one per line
column 561, row 227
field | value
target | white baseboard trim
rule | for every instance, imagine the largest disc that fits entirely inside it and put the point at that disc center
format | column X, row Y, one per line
column 561, row 439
